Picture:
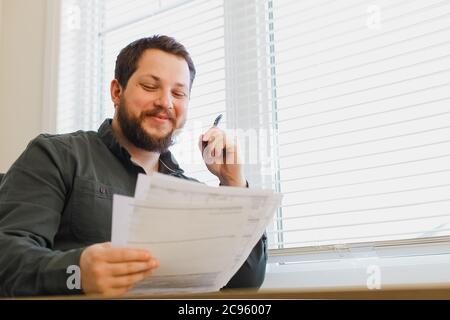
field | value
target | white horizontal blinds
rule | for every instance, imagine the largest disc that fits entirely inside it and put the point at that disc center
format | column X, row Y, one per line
column 363, row 98
column 120, row 13
column 199, row 26
column 247, row 94
column 78, row 72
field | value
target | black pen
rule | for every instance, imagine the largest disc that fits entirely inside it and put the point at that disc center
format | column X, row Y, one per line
column 215, row 124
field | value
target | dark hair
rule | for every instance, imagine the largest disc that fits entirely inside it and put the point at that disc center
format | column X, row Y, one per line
column 126, row 63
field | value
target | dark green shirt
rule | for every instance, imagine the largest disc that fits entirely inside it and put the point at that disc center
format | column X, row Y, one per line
column 56, row 199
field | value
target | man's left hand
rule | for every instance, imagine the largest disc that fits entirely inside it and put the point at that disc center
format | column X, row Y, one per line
column 220, row 154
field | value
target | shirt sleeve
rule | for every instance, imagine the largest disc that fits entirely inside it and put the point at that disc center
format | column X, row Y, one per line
column 32, row 197
column 252, row 273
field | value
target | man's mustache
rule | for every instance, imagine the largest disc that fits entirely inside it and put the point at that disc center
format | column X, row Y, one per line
column 157, row 112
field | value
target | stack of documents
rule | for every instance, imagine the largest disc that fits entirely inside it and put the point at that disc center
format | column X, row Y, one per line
column 201, row 235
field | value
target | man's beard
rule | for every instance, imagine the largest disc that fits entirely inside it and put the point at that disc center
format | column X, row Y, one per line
column 132, row 129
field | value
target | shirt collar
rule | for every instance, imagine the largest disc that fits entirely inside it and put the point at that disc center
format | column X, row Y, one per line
column 167, row 162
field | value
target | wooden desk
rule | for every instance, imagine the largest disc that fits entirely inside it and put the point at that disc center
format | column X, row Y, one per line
column 413, row 292
column 438, row 292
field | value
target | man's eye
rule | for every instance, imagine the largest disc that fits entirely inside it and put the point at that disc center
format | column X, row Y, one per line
column 149, row 87
column 179, row 94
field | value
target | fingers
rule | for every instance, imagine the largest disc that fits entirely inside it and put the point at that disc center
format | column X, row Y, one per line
column 113, row 271
column 214, row 131
column 212, row 145
column 126, row 254
column 213, row 152
column 219, row 146
column 129, row 280
column 120, row 269
column 216, row 147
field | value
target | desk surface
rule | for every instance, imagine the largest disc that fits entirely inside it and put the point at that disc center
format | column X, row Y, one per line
column 332, row 293
column 437, row 292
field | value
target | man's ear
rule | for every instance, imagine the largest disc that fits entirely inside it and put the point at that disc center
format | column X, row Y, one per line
column 116, row 92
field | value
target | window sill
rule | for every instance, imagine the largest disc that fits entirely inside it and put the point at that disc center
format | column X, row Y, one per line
column 372, row 266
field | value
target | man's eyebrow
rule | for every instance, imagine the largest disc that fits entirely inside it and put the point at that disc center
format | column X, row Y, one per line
column 178, row 84
column 152, row 76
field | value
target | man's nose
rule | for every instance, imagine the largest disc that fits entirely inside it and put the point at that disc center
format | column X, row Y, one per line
column 164, row 100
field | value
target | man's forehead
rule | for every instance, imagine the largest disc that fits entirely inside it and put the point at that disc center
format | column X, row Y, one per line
column 156, row 78
column 159, row 65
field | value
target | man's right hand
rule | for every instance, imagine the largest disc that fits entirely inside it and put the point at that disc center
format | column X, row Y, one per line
column 113, row 271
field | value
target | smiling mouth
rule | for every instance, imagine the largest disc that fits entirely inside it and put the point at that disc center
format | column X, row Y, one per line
column 160, row 119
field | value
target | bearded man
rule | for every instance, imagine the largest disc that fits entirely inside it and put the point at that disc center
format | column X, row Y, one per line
column 56, row 199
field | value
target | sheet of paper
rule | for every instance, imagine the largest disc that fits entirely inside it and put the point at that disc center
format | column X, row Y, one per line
column 200, row 234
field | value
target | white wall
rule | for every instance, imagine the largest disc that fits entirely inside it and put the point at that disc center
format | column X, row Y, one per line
column 1, row 37
column 22, row 38
column 1, row 24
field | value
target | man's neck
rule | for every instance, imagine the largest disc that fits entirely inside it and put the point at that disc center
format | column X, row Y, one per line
column 148, row 160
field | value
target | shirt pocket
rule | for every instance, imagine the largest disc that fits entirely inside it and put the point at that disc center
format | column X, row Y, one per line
column 90, row 207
